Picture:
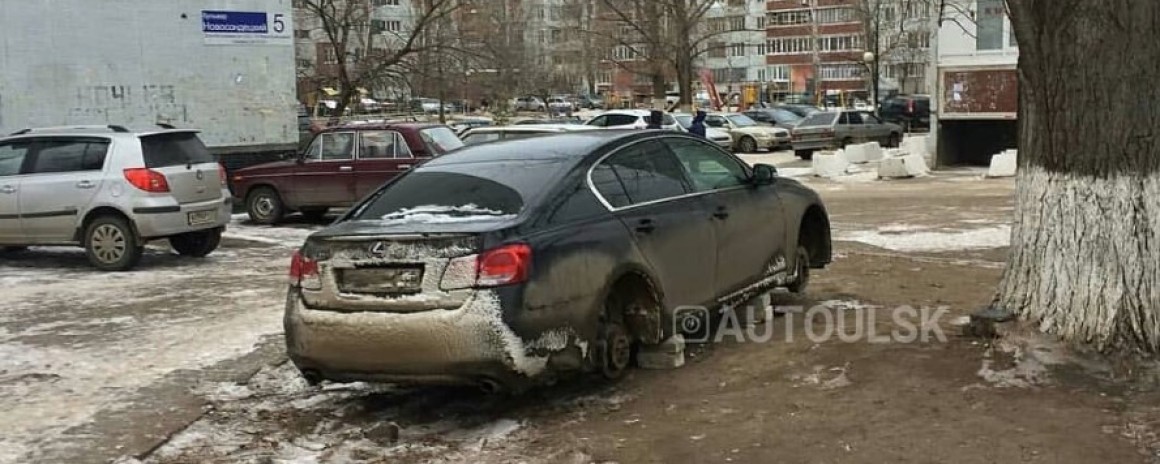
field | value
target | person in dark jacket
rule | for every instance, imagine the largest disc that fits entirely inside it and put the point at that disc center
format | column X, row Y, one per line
column 655, row 119
column 697, row 127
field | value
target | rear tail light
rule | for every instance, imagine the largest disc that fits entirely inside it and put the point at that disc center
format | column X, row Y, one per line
column 147, row 180
column 223, row 176
column 506, row 265
column 304, row 272
column 910, row 106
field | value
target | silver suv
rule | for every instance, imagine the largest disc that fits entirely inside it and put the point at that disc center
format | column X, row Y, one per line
column 111, row 190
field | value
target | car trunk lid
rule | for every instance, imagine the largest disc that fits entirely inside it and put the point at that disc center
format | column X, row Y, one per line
column 190, row 170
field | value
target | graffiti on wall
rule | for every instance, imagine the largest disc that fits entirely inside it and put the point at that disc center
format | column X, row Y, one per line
column 119, row 104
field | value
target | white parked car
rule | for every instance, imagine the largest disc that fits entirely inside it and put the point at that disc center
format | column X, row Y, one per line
column 630, row 119
column 560, row 104
column 480, row 135
column 110, row 190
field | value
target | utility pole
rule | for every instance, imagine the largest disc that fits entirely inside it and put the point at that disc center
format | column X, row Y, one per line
column 814, row 46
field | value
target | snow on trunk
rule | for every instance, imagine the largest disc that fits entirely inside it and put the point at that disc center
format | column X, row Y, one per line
column 1085, row 259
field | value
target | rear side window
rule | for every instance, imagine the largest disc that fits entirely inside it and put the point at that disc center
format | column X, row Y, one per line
column 647, row 171
column 819, row 119
column 480, row 137
column 174, row 149
column 70, row 156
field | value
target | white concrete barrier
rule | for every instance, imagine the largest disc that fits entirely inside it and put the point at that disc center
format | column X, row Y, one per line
column 1003, row 164
column 915, row 144
column 830, row 164
column 864, row 152
column 892, row 167
column 907, row 165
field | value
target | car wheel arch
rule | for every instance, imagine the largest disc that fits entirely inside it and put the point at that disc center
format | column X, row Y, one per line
column 636, row 280
column 813, row 232
column 100, row 211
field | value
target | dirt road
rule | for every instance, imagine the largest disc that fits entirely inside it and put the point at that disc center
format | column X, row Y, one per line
column 802, row 395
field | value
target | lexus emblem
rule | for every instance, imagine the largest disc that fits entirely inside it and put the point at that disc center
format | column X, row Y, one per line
column 379, row 249
column 200, row 175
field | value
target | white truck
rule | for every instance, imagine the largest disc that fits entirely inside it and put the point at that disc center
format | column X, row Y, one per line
column 224, row 67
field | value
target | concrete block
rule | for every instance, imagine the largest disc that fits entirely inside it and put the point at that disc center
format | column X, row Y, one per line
column 1003, row 164
column 863, row 152
column 669, row 354
column 830, row 164
column 892, row 167
column 915, row 165
column 891, row 153
column 903, row 166
column 915, row 144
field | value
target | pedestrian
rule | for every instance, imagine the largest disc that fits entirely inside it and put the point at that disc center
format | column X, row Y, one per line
column 655, row 119
column 697, row 128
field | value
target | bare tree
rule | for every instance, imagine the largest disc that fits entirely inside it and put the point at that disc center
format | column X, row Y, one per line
column 661, row 35
column 365, row 51
column 1085, row 249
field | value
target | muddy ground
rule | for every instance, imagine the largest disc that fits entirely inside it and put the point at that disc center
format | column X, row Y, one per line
column 183, row 363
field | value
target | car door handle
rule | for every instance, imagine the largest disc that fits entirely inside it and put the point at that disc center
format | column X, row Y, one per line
column 721, row 213
column 345, row 168
column 404, row 166
column 7, row 189
column 645, row 226
column 86, row 184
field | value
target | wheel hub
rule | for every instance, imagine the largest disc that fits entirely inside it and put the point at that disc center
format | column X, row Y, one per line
column 108, row 243
column 618, row 351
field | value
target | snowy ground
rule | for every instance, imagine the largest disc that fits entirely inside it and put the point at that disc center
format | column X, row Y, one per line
column 143, row 365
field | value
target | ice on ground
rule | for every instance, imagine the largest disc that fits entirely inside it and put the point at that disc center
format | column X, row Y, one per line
column 270, row 235
column 77, row 342
column 933, row 241
column 795, row 172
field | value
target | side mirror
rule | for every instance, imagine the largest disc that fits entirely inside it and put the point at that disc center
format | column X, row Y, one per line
column 763, row 174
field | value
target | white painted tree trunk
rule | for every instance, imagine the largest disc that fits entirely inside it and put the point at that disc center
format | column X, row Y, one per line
column 1085, row 261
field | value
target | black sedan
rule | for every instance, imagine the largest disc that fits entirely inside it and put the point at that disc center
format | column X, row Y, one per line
column 504, row 264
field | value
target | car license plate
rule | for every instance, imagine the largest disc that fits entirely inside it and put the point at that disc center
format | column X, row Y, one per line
column 199, row 218
column 381, row 280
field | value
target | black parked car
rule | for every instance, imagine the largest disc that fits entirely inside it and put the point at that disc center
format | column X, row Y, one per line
column 908, row 111
column 538, row 256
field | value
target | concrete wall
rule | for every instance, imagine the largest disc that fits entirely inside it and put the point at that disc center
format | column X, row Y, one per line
column 141, row 62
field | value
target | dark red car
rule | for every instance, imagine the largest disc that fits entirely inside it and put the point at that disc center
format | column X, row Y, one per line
column 340, row 166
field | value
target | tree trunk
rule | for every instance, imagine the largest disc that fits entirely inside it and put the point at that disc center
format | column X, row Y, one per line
column 1085, row 249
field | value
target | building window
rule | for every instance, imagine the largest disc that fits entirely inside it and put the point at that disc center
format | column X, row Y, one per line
column 737, row 23
column 737, row 49
column 761, row 22
column 386, row 2
column 329, row 55
column 773, row 74
column 301, row 33
column 989, row 25
column 716, row 50
column 825, row 16
column 841, row 72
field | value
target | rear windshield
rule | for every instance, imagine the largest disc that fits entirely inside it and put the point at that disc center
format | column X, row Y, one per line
column 440, row 139
column 174, row 149
column 819, row 119
column 461, row 192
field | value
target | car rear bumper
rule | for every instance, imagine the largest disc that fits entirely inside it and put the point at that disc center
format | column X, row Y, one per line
column 467, row 345
column 156, row 219
column 815, row 145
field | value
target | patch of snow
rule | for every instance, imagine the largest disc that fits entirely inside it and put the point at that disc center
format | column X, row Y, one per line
column 436, row 214
column 795, row 172
column 933, row 241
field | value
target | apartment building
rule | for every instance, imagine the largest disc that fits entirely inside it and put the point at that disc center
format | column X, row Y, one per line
column 387, row 21
column 976, row 100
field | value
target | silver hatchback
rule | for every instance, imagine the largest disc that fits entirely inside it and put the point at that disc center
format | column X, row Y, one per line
column 111, row 190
